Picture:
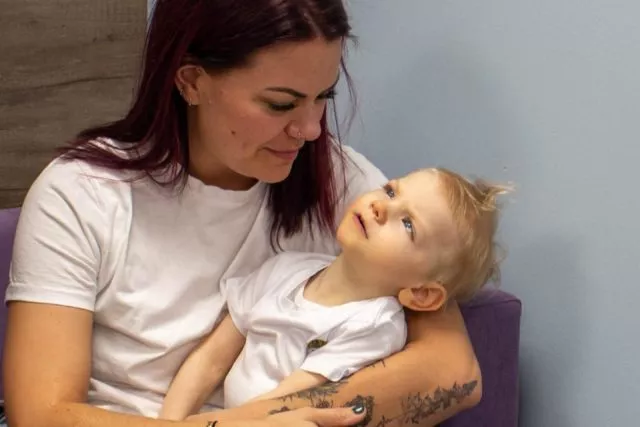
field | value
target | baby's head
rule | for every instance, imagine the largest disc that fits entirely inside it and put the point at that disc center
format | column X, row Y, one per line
column 427, row 237
column 472, row 256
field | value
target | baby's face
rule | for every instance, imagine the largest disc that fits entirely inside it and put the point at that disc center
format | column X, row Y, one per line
column 401, row 231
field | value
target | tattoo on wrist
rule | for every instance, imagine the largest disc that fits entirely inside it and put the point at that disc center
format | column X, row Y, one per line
column 367, row 402
column 279, row 410
column 319, row 397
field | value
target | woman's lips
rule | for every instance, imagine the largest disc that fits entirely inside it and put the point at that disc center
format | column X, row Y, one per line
column 288, row 155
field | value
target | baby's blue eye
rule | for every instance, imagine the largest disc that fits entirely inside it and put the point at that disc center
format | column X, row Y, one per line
column 408, row 225
column 389, row 191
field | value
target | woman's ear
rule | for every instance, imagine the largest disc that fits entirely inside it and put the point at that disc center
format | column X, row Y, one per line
column 427, row 297
column 187, row 83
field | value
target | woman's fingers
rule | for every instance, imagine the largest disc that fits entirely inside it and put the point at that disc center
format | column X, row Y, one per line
column 329, row 417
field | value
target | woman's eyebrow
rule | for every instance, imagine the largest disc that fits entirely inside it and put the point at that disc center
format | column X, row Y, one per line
column 288, row 91
column 297, row 94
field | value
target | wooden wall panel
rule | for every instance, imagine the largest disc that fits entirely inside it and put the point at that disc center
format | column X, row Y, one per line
column 64, row 65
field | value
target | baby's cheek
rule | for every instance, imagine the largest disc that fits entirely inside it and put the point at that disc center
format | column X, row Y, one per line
column 386, row 257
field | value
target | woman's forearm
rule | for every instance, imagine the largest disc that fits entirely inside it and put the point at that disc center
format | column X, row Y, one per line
column 434, row 378
column 403, row 390
column 81, row 414
column 400, row 391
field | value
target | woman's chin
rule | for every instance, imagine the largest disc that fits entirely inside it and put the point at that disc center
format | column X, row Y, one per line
column 274, row 175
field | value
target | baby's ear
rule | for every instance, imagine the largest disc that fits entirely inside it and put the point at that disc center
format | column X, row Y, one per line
column 426, row 297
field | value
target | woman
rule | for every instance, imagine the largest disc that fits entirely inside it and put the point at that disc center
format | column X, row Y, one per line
column 223, row 159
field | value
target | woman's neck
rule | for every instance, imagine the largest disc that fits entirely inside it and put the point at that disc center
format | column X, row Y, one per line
column 226, row 180
column 340, row 283
column 208, row 168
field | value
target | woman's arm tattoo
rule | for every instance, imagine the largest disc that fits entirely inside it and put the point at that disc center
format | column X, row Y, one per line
column 415, row 408
column 320, row 396
column 418, row 407
column 279, row 410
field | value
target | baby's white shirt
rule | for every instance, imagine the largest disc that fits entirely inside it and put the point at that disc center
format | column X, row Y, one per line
column 284, row 330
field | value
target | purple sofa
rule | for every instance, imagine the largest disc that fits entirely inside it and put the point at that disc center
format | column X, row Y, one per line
column 492, row 318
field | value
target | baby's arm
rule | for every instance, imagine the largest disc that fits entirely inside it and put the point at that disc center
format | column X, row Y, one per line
column 353, row 346
column 202, row 371
column 299, row 380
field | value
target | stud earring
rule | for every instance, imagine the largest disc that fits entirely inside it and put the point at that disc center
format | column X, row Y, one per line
column 186, row 99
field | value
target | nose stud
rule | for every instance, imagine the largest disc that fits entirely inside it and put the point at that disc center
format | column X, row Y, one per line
column 295, row 132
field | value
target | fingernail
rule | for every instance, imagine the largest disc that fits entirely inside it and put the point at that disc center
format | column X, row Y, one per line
column 358, row 409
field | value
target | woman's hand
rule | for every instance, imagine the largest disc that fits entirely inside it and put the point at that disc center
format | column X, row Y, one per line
column 311, row 417
column 305, row 417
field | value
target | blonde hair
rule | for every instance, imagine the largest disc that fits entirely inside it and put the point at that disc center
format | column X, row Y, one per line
column 475, row 258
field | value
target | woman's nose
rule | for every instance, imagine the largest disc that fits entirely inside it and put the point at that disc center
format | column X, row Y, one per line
column 309, row 124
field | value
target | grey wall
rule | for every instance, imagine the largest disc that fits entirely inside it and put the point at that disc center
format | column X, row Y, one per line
column 545, row 94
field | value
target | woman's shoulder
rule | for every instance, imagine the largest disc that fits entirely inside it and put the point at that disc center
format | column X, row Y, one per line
column 65, row 226
column 65, row 172
column 78, row 184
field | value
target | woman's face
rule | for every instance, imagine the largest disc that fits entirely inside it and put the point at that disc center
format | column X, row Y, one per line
column 249, row 123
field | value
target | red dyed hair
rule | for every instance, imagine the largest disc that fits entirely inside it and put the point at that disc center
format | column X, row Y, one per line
column 220, row 35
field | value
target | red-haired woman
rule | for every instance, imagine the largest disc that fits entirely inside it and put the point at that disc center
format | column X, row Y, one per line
column 223, row 159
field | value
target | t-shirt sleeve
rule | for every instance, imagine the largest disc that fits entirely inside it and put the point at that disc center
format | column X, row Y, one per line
column 243, row 293
column 57, row 249
column 357, row 344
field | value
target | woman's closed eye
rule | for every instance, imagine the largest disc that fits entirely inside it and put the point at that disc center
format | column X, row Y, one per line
column 281, row 107
column 288, row 106
column 330, row 94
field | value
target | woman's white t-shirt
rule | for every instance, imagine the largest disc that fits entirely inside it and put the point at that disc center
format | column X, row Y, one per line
column 148, row 261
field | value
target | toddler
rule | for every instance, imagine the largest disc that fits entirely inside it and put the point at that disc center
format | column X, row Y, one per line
column 303, row 319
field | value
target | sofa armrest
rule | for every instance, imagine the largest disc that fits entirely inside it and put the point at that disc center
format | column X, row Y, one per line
column 8, row 221
column 493, row 322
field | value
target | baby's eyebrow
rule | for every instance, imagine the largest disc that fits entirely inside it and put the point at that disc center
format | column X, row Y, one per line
column 396, row 185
